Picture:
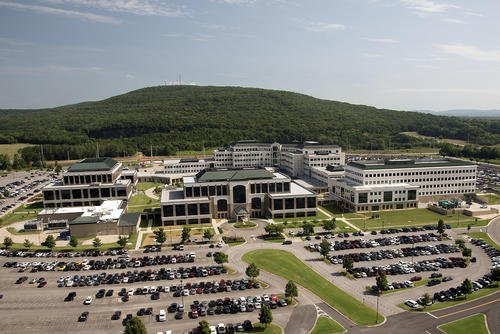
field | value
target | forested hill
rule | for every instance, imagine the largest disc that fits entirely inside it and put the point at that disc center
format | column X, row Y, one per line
column 172, row 118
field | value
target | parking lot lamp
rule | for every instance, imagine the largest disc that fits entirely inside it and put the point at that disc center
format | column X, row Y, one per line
column 182, row 292
column 378, row 295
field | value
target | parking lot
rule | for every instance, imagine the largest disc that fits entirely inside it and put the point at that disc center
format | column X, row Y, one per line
column 215, row 295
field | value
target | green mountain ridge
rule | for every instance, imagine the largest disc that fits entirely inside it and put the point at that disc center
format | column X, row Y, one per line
column 171, row 118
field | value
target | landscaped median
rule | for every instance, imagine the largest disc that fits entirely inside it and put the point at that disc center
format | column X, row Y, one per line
column 326, row 325
column 288, row 266
column 474, row 324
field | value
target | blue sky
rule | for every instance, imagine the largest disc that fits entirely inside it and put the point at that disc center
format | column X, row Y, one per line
column 401, row 54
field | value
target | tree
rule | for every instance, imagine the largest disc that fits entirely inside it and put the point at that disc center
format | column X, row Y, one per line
column 291, row 289
column 273, row 229
column 426, row 299
column 49, row 242
column 135, row 326
column 27, row 244
column 122, row 241
column 7, row 242
column 220, row 257
column 160, row 236
column 467, row 252
column 308, row 228
column 186, row 233
column 203, row 327
column 329, row 225
column 57, row 168
column 496, row 274
column 382, row 281
column 440, row 226
column 73, row 241
column 265, row 315
column 97, row 243
column 467, row 286
column 347, row 263
column 324, row 248
column 208, row 234
column 252, row 271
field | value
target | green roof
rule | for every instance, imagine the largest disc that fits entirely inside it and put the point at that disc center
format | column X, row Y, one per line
column 93, row 164
column 208, row 175
column 84, row 220
column 407, row 163
column 129, row 219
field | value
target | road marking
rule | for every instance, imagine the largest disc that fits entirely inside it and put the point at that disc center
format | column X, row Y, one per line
column 470, row 308
column 432, row 315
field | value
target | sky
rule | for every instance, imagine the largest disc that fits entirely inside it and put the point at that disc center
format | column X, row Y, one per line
column 398, row 54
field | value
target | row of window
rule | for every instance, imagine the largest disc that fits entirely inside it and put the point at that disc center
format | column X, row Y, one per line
column 86, row 179
column 50, row 195
column 264, row 188
column 294, row 214
column 181, row 210
column 293, row 203
column 72, row 204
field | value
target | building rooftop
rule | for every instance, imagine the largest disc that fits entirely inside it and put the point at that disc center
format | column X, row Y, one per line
column 129, row 219
column 93, row 165
column 178, row 196
column 213, row 175
column 295, row 190
column 407, row 163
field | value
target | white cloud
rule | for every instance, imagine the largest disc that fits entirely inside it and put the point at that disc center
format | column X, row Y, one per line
column 450, row 20
column 85, row 16
column 137, row 7
column 324, row 26
column 428, row 6
column 470, row 52
column 474, row 14
column 381, row 40
column 129, row 76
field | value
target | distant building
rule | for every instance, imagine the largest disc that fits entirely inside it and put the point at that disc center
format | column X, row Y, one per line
column 89, row 183
column 109, row 218
column 371, row 185
column 187, row 165
column 248, row 153
column 235, row 194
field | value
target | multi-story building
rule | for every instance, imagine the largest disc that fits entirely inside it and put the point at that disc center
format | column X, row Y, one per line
column 89, row 183
column 299, row 160
column 234, row 194
column 370, row 185
column 248, row 153
column 187, row 165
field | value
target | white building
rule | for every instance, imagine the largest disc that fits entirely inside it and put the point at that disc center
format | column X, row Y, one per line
column 371, row 185
column 247, row 153
column 186, row 166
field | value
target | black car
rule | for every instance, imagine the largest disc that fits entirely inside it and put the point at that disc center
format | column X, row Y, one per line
column 247, row 325
column 70, row 297
column 172, row 308
column 149, row 311
column 127, row 318
column 84, row 316
column 230, row 328
column 141, row 312
column 116, row 315
column 179, row 315
column 109, row 293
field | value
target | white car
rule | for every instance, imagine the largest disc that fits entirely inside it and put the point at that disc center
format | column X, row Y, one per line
column 213, row 330
column 162, row 316
column 221, row 328
column 411, row 303
column 265, row 298
column 88, row 300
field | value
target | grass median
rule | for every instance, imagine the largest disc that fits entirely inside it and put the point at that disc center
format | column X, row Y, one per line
column 288, row 266
column 474, row 324
column 326, row 325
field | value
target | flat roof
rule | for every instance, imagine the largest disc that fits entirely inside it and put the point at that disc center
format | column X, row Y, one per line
column 93, row 165
column 177, row 195
column 212, row 175
column 129, row 219
column 407, row 163
column 295, row 190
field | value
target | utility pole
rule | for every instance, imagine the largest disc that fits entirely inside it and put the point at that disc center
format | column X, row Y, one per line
column 378, row 295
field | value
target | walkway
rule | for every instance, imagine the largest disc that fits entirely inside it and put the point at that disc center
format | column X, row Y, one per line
column 141, row 232
column 342, row 219
column 151, row 193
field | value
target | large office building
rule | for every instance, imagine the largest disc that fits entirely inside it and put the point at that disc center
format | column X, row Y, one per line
column 371, row 185
column 234, row 194
column 248, row 153
column 89, row 183
column 186, row 166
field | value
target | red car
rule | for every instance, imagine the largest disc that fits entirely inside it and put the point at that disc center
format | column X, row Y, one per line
column 274, row 298
column 416, row 278
column 42, row 284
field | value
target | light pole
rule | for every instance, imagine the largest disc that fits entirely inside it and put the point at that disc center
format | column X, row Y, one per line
column 378, row 295
column 182, row 292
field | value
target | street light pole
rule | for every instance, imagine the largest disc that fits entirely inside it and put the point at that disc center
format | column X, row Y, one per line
column 182, row 292
column 378, row 295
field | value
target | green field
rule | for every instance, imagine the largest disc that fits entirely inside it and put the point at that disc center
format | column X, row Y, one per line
column 11, row 149
column 490, row 198
column 24, row 212
column 270, row 329
column 412, row 217
column 440, row 305
column 326, row 325
column 248, row 224
column 473, row 324
column 142, row 186
column 288, row 266
column 139, row 202
column 485, row 237
column 337, row 212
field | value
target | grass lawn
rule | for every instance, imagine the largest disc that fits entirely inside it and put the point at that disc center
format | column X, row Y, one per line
column 473, row 324
column 11, row 149
column 411, row 217
column 485, row 237
column 24, row 212
column 337, row 212
column 326, row 325
column 147, row 185
column 440, row 305
column 235, row 243
column 288, row 266
column 270, row 329
column 490, row 198
column 142, row 199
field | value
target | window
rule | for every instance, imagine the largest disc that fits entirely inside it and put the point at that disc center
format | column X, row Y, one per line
column 286, row 187
column 363, row 198
column 121, row 192
column 196, row 191
column 48, row 195
column 211, row 191
column 311, row 202
column 222, row 205
column 279, row 187
column 192, row 209
column 271, row 187
column 189, row 192
column 264, row 188
column 180, row 210
column 239, row 194
column 300, row 203
column 289, row 203
column 76, row 193
column 387, row 196
column 204, row 209
column 412, row 195
column 278, row 204
column 105, row 192
column 256, row 203
column 168, row 211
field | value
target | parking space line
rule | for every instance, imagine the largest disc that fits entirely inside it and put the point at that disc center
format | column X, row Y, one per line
column 432, row 315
